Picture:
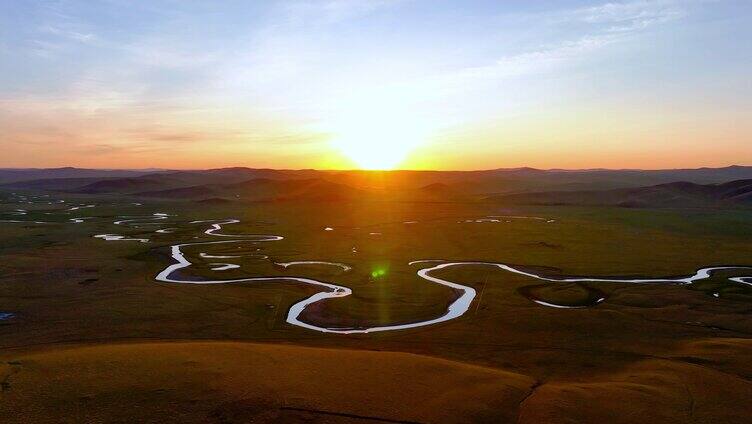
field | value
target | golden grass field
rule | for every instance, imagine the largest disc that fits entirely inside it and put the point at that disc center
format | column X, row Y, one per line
column 249, row 382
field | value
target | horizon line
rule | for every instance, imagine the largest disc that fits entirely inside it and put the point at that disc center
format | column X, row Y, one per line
column 520, row 168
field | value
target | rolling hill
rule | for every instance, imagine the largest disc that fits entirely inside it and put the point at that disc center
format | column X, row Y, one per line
column 264, row 189
column 310, row 189
column 677, row 194
column 513, row 185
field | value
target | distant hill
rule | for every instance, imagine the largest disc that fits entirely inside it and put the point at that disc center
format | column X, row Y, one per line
column 400, row 185
column 164, row 181
column 264, row 189
column 311, row 189
column 27, row 174
column 55, row 184
column 132, row 185
column 677, row 194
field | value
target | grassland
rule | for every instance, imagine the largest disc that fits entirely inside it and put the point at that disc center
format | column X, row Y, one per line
column 94, row 335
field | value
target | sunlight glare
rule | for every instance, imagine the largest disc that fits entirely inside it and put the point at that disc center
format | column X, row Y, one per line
column 378, row 141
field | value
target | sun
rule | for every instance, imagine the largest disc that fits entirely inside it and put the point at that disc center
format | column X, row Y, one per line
column 379, row 142
column 380, row 151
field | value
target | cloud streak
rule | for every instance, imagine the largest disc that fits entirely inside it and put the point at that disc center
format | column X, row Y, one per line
column 594, row 28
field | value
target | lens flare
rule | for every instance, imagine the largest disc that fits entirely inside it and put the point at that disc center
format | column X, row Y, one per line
column 378, row 272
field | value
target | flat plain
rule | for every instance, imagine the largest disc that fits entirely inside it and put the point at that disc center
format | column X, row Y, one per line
column 91, row 333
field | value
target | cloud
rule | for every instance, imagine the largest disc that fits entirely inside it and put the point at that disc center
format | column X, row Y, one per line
column 590, row 30
column 69, row 34
column 630, row 16
column 538, row 60
column 629, row 12
column 55, row 32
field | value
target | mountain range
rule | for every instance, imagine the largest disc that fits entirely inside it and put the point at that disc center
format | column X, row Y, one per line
column 702, row 187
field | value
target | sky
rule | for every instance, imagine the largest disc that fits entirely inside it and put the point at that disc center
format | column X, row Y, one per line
column 409, row 84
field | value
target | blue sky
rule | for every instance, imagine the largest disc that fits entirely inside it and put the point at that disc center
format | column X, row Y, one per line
column 415, row 84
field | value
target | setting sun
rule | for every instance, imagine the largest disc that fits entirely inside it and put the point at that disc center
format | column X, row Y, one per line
column 380, row 150
column 378, row 140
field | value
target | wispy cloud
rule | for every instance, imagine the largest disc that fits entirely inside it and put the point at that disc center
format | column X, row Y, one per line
column 640, row 11
column 58, row 32
column 630, row 16
column 69, row 34
column 589, row 30
column 536, row 61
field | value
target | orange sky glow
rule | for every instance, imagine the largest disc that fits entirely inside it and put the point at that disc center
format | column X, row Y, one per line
column 376, row 85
